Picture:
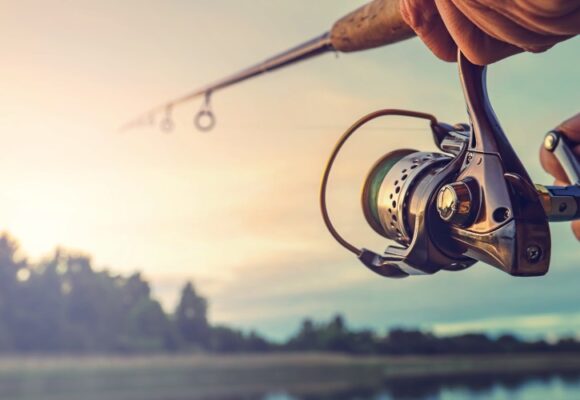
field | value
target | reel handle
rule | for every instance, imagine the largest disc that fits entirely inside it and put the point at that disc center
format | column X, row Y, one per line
column 562, row 203
column 556, row 143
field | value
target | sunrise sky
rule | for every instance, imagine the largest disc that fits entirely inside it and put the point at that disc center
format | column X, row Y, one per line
column 236, row 209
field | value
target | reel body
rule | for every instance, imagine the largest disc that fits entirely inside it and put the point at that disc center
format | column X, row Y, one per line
column 472, row 202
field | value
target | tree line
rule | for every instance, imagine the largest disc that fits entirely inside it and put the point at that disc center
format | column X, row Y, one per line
column 62, row 304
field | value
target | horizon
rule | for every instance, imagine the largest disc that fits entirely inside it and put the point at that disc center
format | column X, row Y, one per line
column 235, row 210
column 462, row 328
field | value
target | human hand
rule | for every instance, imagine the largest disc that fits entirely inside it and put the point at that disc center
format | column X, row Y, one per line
column 571, row 129
column 489, row 30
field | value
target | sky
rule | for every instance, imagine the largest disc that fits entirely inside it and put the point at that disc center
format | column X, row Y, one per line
column 235, row 210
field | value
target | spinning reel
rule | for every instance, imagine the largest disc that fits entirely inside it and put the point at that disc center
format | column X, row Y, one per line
column 472, row 202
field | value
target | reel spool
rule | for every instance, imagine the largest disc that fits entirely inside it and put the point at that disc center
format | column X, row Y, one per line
column 388, row 196
column 472, row 202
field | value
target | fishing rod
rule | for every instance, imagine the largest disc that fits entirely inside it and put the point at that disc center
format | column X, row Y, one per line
column 471, row 201
column 375, row 24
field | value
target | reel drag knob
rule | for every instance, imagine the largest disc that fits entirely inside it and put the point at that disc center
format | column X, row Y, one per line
column 455, row 203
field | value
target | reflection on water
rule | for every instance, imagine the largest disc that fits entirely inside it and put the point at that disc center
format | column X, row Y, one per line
column 493, row 387
column 223, row 379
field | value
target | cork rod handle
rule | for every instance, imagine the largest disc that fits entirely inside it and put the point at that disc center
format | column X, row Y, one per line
column 375, row 24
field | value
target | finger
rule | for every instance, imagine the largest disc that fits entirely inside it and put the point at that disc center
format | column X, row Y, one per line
column 571, row 129
column 475, row 44
column 516, row 24
column 423, row 17
column 541, row 19
column 576, row 229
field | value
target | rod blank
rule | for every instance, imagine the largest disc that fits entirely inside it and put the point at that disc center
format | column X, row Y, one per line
column 376, row 24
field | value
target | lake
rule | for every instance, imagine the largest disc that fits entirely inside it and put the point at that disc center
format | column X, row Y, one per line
column 546, row 387
column 290, row 377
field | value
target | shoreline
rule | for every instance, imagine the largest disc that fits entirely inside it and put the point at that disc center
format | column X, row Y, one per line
column 244, row 376
column 394, row 365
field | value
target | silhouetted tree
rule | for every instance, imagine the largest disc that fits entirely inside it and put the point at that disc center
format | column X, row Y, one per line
column 306, row 338
column 63, row 304
column 191, row 317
